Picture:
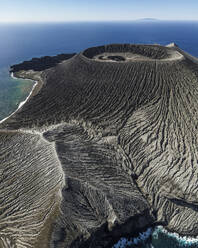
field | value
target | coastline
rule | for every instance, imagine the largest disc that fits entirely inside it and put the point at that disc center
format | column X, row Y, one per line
column 36, row 83
column 177, row 236
column 153, row 233
column 143, row 236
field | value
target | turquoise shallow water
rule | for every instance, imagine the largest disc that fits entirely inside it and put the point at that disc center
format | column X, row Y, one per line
column 12, row 92
column 21, row 42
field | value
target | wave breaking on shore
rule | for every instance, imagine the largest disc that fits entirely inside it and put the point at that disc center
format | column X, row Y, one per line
column 23, row 102
column 124, row 242
column 184, row 240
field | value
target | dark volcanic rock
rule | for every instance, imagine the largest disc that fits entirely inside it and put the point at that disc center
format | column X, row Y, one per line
column 116, row 58
column 118, row 137
column 40, row 64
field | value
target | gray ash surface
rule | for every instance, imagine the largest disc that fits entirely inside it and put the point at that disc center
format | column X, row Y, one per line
column 104, row 149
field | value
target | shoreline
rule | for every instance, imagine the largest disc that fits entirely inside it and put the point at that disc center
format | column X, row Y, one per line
column 143, row 236
column 152, row 232
column 177, row 236
column 23, row 102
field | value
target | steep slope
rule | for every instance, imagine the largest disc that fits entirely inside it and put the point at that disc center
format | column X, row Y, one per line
column 118, row 124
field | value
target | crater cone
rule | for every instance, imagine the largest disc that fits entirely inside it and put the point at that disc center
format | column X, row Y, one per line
column 130, row 53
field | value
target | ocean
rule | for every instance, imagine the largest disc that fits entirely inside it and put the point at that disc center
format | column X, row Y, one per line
column 19, row 42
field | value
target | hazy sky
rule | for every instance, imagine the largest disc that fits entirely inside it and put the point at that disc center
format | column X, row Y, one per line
column 96, row 10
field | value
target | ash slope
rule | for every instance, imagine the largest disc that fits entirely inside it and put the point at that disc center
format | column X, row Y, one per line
column 117, row 130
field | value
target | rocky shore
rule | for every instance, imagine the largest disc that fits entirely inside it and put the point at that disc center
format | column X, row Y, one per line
column 40, row 64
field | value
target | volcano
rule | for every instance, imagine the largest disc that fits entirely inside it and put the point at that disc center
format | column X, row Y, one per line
column 105, row 147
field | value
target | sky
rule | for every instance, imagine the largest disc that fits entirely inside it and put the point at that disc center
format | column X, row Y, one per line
column 96, row 10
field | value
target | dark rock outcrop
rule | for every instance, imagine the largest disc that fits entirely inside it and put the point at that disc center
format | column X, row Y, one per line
column 40, row 64
column 110, row 147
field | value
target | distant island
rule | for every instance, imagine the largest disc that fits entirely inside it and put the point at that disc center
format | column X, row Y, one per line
column 148, row 19
column 104, row 148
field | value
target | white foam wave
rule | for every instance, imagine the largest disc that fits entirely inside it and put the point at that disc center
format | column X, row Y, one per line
column 183, row 239
column 123, row 242
column 12, row 76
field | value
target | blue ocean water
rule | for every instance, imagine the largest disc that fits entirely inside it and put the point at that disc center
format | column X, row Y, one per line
column 19, row 42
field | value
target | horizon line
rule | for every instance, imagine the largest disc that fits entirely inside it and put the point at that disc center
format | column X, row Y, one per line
column 81, row 21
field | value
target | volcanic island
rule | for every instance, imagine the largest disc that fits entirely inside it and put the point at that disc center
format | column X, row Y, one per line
column 105, row 147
